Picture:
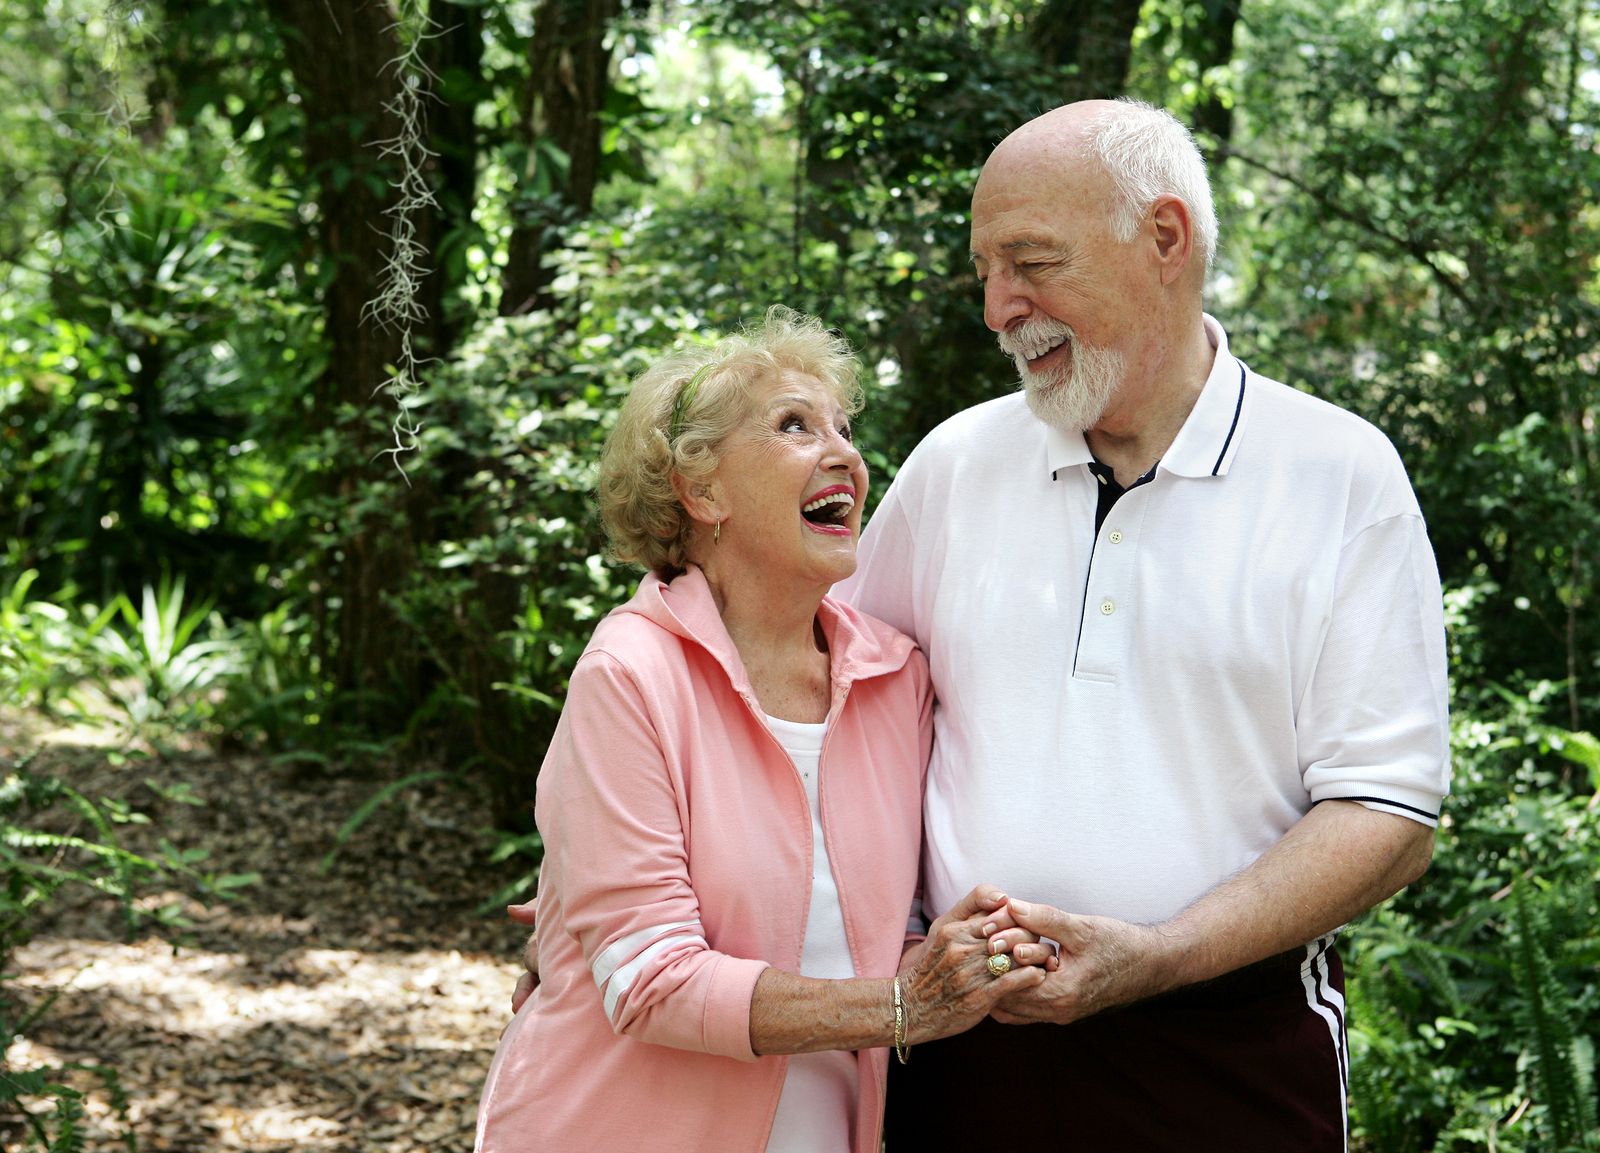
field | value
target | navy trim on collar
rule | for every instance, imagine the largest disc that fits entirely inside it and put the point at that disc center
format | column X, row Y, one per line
column 1237, row 408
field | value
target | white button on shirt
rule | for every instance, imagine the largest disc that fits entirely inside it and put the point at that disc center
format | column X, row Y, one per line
column 1269, row 633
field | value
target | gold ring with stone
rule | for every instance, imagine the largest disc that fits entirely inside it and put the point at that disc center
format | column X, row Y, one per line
column 1000, row 964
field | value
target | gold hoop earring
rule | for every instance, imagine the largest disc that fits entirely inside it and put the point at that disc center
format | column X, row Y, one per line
column 716, row 537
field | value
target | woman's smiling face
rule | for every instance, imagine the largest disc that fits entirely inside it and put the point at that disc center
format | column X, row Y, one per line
column 789, row 485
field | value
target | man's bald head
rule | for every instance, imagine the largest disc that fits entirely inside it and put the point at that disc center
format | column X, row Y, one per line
column 1125, row 151
column 1060, row 133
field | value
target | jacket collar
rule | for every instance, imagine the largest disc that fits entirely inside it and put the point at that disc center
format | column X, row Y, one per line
column 1209, row 439
column 859, row 646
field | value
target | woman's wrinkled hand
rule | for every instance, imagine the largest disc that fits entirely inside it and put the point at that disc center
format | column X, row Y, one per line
column 1004, row 934
column 947, row 985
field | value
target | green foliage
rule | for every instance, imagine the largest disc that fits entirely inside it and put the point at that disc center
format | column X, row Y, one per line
column 1411, row 229
column 371, row 805
column 1404, row 1096
column 26, row 856
column 147, row 662
column 274, row 694
column 1474, row 993
column 1415, row 231
column 60, row 1131
column 528, row 846
column 895, row 107
column 158, row 672
column 45, row 649
column 1561, row 1061
column 504, row 606
column 152, row 332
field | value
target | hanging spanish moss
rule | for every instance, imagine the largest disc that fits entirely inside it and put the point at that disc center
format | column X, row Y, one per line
column 398, row 305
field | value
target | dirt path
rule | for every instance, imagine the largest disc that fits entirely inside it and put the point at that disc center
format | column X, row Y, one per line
column 355, row 1010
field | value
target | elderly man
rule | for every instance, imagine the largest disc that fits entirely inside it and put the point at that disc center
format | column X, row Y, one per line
column 1186, row 635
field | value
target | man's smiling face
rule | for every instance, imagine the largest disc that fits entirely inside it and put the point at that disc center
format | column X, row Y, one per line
column 1059, row 289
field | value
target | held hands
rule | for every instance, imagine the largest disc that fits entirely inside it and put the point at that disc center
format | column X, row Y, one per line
column 1102, row 963
column 947, row 983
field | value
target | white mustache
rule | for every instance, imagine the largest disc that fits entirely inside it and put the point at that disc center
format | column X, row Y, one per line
column 1033, row 338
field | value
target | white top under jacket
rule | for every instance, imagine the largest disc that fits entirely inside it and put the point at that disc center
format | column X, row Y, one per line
column 1126, row 718
column 817, row 1110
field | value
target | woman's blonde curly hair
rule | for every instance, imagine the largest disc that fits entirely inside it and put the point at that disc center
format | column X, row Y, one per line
column 643, row 517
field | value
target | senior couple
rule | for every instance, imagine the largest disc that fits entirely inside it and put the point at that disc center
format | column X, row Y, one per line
column 1134, row 689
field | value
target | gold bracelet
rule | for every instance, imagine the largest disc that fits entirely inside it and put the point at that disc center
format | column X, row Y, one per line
column 899, row 1024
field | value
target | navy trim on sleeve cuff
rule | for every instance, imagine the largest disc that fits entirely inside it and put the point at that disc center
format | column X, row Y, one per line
column 1385, row 801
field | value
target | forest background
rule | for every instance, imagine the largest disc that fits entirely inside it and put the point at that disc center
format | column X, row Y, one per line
column 313, row 314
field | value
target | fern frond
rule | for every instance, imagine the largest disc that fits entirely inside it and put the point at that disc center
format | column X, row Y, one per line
column 1546, row 1016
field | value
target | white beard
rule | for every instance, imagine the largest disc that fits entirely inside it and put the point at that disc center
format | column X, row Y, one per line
column 1073, row 398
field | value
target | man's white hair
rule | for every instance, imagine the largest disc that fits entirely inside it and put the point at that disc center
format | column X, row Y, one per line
column 1148, row 152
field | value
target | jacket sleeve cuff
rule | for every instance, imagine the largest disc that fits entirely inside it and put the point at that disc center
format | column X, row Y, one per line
column 727, row 1008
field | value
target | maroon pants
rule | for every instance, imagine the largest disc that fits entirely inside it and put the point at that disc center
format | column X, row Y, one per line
column 1251, row 1061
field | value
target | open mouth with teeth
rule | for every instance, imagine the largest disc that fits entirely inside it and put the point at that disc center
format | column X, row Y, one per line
column 829, row 510
column 1043, row 348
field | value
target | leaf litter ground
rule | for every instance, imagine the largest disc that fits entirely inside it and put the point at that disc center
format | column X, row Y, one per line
column 354, row 1010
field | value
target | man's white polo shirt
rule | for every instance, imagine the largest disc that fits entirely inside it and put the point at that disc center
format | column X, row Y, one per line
column 1128, row 717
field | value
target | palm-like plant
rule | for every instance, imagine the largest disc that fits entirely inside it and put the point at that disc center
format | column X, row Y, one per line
column 158, row 670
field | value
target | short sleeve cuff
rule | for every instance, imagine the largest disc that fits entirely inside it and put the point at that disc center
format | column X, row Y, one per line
column 727, row 1008
column 1417, row 804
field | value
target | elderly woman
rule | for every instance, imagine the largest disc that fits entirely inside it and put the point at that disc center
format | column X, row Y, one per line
column 731, row 805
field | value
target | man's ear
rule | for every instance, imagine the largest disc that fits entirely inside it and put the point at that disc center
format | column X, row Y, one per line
column 1174, row 236
column 702, row 500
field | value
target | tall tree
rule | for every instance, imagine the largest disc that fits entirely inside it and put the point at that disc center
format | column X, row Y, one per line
column 454, row 57
column 1208, row 41
column 342, row 55
column 1088, row 42
column 560, row 132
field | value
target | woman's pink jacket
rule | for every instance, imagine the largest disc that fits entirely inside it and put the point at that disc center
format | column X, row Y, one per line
column 677, row 867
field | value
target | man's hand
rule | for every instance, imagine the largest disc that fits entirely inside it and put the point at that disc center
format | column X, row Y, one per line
column 1333, row 864
column 529, row 981
column 1102, row 963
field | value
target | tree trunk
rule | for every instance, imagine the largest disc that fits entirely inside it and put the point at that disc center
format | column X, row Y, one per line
column 340, row 53
column 472, row 650
column 1209, row 43
column 1095, row 37
column 455, row 57
column 567, row 84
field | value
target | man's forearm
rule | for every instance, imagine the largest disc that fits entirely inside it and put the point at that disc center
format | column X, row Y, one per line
column 1336, row 862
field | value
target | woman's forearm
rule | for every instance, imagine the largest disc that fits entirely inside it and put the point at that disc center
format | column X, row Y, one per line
column 945, row 987
column 794, row 1014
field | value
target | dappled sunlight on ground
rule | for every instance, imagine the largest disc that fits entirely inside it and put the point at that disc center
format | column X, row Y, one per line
column 352, row 1007
column 336, row 1049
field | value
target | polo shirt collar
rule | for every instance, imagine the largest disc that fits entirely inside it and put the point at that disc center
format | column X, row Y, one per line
column 1209, row 438
column 1063, row 449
